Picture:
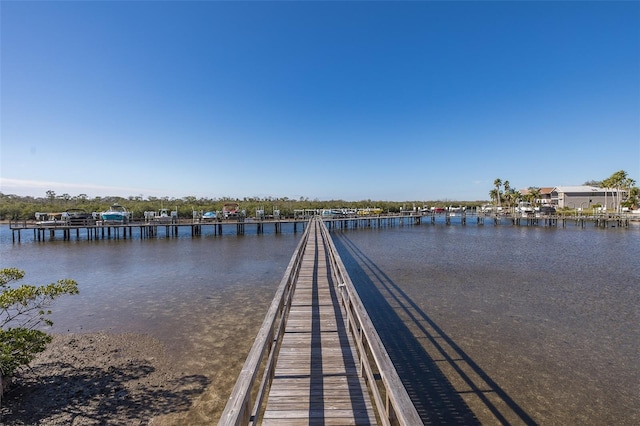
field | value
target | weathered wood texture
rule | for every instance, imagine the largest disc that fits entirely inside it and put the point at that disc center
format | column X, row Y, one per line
column 241, row 408
column 308, row 347
column 316, row 378
column 393, row 404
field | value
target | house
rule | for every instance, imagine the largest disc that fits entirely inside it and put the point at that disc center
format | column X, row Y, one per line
column 584, row 197
column 544, row 195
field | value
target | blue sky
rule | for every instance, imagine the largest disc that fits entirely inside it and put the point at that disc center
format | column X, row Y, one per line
column 326, row 100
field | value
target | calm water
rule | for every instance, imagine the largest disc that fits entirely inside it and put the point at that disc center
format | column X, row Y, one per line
column 162, row 286
column 486, row 324
column 525, row 325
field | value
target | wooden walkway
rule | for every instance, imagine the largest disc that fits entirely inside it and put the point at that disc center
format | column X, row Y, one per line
column 316, row 379
column 317, row 359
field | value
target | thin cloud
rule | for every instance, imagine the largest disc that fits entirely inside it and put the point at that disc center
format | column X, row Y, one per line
column 38, row 188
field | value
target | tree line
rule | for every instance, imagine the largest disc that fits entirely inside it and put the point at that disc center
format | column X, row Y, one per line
column 15, row 207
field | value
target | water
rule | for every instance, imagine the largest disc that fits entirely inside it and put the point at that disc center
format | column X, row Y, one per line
column 524, row 324
column 486, row 323
column 168, row 287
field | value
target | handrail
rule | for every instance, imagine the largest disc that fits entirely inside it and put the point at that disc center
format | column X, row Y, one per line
column 239, row 409
column 395, row 405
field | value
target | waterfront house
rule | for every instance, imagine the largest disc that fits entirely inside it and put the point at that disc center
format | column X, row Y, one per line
column 545, row 196
column 585, row 197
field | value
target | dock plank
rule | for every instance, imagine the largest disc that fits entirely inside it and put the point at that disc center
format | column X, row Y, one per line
column 316, row 378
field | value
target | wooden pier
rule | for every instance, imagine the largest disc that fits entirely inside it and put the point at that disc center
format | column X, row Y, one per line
column 318, row 356
column 144, row 230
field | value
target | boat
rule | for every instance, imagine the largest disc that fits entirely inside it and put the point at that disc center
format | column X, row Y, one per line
column 525, row 208
column 50, row 219
column 78, row 217
column 329, row 213
column 116, row 214
column 230, row 210
column 369, row 211
column 166, row 216
column 206, row 216
column 163, row 216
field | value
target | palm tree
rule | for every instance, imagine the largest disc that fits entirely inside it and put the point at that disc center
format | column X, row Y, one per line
column 621, row 182
column 534, row 195
column 634, row 194
column 493, row 194
column 511, row 197
column 508, row 194
column 497, row 183
column 628, row 184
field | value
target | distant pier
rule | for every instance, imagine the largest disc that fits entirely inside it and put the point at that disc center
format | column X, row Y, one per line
column 144, row 229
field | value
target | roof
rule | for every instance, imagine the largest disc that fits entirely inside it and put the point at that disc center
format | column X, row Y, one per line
column 543, row 191
column 583, row 189
column 546, row 190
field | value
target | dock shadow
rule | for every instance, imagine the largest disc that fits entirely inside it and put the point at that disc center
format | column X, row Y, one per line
column 434, row 396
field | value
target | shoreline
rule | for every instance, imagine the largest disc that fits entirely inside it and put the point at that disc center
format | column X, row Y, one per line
column 105, row 378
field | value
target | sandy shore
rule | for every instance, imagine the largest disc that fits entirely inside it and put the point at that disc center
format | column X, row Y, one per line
column 102, row 378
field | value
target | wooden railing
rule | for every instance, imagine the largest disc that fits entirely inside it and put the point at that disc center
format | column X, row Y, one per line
column 393, row 404
column 390, row 397
column 243, row 406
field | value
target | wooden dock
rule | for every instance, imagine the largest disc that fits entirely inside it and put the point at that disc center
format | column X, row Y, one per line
column 316, row 378
column 319, row 357
column 143, row 230
column 238, row 226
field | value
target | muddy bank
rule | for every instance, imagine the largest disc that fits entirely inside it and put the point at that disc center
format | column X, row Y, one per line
column 102, row 378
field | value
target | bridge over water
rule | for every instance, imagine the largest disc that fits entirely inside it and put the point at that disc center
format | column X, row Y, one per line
column 317, row 359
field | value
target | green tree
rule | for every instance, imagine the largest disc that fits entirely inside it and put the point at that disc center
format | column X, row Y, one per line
column 493, row 195
column 511, row 196
column 497, row 183
column 622, row 183
column 533, row 195
column 22, row 309
column 634, row 195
